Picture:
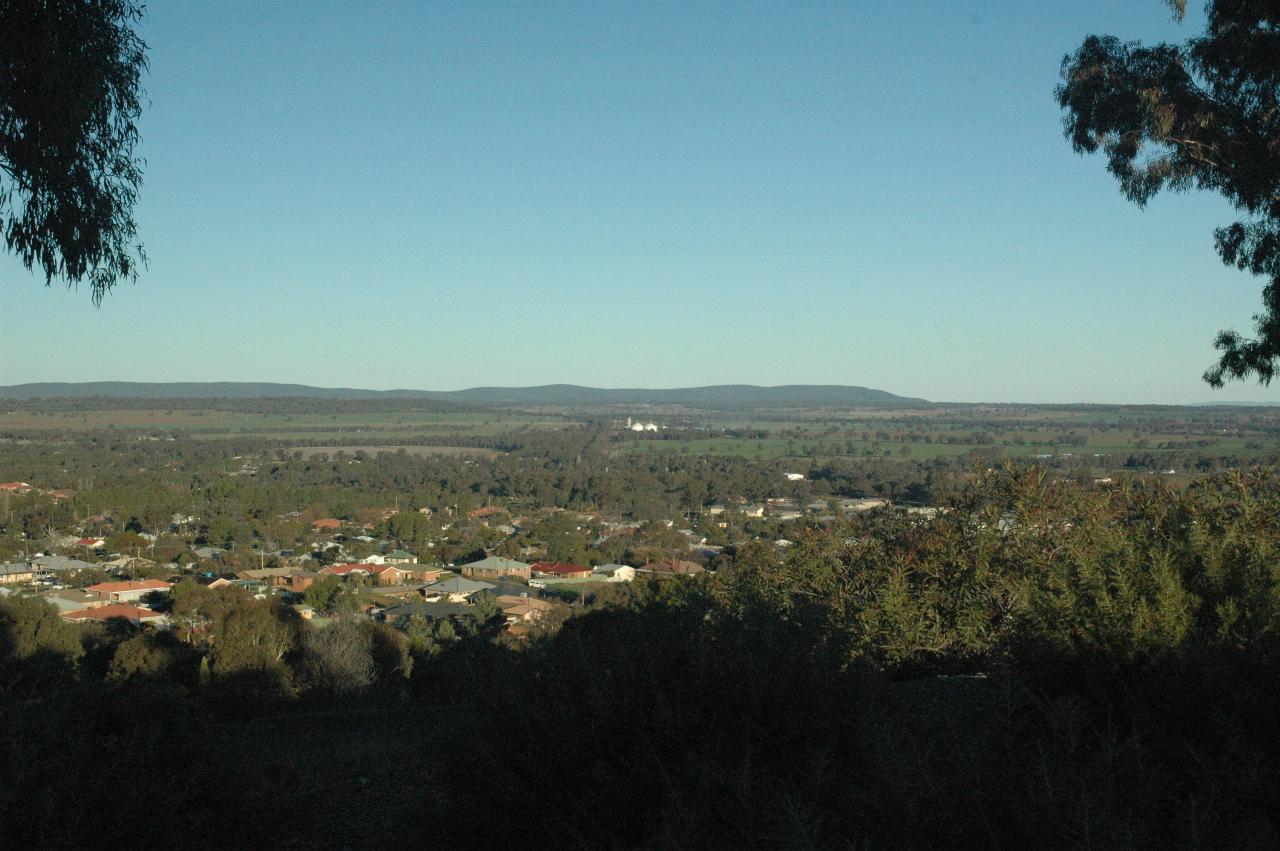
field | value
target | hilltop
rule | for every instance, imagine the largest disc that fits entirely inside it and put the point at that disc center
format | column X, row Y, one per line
column 719, row 396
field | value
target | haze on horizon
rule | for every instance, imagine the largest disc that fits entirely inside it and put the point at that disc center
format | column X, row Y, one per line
column 646, row 195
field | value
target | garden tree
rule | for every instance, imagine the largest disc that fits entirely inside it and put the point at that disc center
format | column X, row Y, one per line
column 508, row 548
column 70, row 95
column 253, row 636
column 85, row 576
column 485, row 609
column 444, row 631
column 338, row 660
column 30, row 627
column 221, row 532
column 1204, row 114
column 327, row 595
column 197, row 611
column 421, row 637
column 130, row 543
column 392, row 656
column 151, row 654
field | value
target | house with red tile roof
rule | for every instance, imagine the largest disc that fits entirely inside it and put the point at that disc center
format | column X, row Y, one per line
column 559, row 570
column 326, row 524
column 385, row 574
column 133, row 614
column 14, row 487
column 92, row 543
column 122, row 592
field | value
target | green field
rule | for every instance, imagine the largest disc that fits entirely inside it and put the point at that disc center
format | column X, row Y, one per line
column 1109, row 433
column 214, row 423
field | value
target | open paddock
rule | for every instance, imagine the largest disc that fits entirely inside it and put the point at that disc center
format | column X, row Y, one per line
column 416, row 451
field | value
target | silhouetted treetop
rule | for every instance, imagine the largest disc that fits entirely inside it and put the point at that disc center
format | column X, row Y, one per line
column 1204, row 114
column 70, row 73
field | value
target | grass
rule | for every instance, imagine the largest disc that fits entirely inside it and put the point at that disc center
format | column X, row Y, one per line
column 419, row 451
column 833, row 446
column 214, row 423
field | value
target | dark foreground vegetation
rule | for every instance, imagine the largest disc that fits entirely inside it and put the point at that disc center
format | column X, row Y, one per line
column 1042, row 665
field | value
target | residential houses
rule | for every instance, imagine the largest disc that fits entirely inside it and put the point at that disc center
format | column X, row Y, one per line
column 457, row 590
column 58, row 564
column 123, row 611
column 293, row 579
column 17, row 572
column 399, row 614
column 672, row 567
column 559, row 570
column 128, row 591
column 495, row 567
column 381, row 574
column 72, row 600
column 523, row 608
column 614, row 572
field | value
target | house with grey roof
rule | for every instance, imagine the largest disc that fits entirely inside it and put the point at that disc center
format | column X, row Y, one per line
column 16, row 572
column 458, row 589
column 431, row 611
column 59, row 564
column 495, row 567
column 72, row 600
column 614, row 572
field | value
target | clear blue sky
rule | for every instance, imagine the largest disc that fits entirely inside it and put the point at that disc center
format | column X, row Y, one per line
column 641, row 194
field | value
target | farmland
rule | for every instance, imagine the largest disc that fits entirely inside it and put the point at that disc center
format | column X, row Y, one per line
column 1085, row 438
column 364, row 427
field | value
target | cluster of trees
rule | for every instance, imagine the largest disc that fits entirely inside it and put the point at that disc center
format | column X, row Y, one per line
column 1043, row 663
column 142, row 484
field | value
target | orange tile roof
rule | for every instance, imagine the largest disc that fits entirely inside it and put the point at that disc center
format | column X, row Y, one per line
column 132, row 585
column 116, row 610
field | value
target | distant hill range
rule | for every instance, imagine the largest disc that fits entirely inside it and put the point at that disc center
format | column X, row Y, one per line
column 716, row 396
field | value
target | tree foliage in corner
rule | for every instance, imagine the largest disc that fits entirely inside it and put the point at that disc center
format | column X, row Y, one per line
column 1205, row 115
column 70, row 73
